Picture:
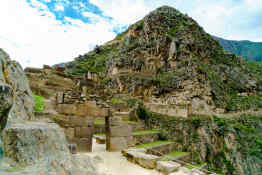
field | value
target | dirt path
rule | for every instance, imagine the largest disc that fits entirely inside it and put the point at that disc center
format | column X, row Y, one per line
column 113, row 163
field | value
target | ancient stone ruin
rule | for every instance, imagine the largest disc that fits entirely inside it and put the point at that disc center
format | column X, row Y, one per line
column 31, row 145
column 164, row 94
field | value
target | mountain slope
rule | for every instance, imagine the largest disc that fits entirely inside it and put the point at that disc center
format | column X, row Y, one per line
column 166, row 53
column 250, row 50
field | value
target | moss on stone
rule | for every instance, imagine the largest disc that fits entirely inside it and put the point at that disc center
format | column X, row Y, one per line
column 145, row 132
column 153, row 144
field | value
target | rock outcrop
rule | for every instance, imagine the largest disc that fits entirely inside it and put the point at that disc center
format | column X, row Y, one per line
column 13, row 75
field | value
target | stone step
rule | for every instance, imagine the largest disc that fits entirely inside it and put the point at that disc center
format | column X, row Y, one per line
column 159, row 148
column 137, row 126
column 167, row 167
column 140, row 157
column 100, row 126
column 178, row 156
column 139, row 137
column 124, row 115
column 145, row 136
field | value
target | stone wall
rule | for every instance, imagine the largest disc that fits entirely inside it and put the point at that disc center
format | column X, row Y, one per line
column 99, row 129
column 120, row 135
column 76, row 116
column 145, row 138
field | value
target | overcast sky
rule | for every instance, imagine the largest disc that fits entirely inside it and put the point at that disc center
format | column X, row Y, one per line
column 37, row 32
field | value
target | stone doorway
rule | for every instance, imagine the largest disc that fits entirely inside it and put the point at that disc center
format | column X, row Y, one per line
column 118, row 134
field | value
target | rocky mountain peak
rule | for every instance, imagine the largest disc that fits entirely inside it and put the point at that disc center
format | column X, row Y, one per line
column 167, row 58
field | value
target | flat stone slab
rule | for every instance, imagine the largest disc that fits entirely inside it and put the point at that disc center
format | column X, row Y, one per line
column 141, row 158
column 186, row 171
column 142, row 150
column 167, row 167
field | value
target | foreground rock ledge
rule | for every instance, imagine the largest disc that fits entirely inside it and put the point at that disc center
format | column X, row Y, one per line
column 43, row 148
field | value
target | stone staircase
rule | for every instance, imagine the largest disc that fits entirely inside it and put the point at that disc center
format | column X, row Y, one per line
column 150, row 152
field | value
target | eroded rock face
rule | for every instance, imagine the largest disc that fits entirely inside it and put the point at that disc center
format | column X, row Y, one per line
column 6, row 102
column 12, row 74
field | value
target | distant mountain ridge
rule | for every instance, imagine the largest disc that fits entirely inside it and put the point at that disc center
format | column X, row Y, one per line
column 252, row 51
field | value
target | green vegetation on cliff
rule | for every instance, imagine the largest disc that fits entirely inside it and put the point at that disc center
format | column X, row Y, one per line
column 94, row 61
column 39, row 103
column 231, row 145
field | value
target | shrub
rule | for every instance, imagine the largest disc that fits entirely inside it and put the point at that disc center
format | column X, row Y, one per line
column 39, row 103
column 142, row 113
column 106, row 81
column 196, row 121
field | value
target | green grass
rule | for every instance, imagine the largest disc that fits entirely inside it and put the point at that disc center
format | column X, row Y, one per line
column 99, row 122
column 116, row 100
column 101, row 135
column 136, row 132
column 145, row 132
column 153, row 144
column 131, row 122
column 39, row 103
column 173, row 155
column 192, row 166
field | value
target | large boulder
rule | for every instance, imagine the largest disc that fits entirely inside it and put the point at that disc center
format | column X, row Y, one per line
column 41, row 145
